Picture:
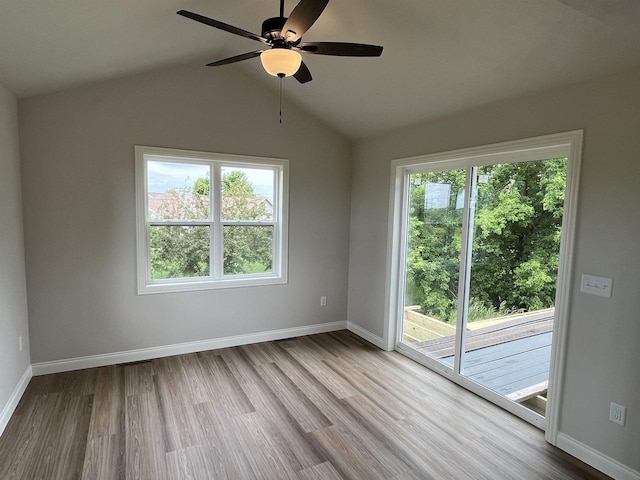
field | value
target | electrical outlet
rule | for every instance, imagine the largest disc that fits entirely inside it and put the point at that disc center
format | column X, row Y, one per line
column 323, row 301
column 20, row 343
column 617, row 413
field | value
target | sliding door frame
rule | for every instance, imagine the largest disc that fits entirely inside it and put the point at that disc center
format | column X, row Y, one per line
column 567, row 144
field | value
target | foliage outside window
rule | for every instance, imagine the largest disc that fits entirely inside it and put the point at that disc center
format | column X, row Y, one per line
column 518, row 221
column 209, row 221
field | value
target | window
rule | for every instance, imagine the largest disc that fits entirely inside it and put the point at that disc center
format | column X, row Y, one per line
column 206, row 220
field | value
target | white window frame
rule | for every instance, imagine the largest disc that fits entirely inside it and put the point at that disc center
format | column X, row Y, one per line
column 215, row 279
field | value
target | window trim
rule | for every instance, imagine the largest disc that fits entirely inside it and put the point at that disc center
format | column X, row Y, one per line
column 215, row 280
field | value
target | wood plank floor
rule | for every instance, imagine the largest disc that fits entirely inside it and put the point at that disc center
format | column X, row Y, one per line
column 326, row 406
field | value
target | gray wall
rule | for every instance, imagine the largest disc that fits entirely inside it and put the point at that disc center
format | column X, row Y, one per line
column 604, row 334
column 79, row 210
column 13, row 295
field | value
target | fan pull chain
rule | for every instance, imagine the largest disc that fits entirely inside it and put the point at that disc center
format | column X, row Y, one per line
column 281, row 77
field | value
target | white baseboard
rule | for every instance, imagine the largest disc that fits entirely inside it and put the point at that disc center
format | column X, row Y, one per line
column 55, row 366
column 597, row 460
column 366, row 334
column 15, row 397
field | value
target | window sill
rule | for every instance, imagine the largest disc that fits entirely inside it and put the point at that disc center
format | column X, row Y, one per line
column 196, row 285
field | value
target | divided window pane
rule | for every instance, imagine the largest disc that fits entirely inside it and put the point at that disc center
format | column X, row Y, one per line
column 247, row 193
column 178, row 191
column 248, row 249
column 179, row 251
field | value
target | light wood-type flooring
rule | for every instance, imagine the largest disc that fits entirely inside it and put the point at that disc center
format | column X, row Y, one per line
column 324, row 407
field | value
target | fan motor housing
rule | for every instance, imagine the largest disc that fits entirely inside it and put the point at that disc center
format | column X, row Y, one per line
column 271, row 27
column 272, row 30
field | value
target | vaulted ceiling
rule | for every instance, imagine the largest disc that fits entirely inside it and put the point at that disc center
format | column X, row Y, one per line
column 440, row 56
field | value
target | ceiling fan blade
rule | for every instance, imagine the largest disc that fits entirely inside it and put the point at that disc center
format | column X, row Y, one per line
column 303, row 75
column 237, row 58
column 222, row 26
column 341, row 49
column 301, row 18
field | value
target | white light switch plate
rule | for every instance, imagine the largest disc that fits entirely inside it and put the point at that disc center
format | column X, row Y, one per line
column 593, row 285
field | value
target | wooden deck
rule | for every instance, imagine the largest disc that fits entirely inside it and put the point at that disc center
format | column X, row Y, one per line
column 511, row 358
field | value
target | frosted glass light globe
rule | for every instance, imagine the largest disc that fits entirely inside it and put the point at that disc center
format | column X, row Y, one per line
column 281, row 61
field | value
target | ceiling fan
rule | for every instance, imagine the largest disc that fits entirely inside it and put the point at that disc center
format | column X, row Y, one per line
column 282, row 41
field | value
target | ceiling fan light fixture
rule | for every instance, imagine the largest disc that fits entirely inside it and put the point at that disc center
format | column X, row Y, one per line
column 281, row 61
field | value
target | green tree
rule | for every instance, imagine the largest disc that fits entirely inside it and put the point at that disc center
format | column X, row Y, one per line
column 247, row 248
column 434, row 245
column 201, row 187
column 183, row 251
column 517, row 223
column 517, row 234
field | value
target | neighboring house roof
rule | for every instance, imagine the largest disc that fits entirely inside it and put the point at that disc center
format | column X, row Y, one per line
column 164, row 205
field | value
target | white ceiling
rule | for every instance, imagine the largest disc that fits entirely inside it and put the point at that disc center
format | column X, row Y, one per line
column 440, row 56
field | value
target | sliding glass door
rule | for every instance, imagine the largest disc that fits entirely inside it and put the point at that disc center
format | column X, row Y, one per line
column 481, row 247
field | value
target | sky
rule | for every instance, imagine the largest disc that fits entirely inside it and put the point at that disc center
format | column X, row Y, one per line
column 163, row 176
